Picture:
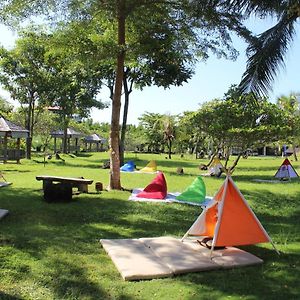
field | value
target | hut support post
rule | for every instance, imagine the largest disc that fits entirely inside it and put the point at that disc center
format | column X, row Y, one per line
column 18, row 154
column 76, row 145
column 5, row 149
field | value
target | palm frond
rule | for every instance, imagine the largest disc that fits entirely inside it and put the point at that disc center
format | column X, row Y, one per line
column 266, row 56
column 260, row 8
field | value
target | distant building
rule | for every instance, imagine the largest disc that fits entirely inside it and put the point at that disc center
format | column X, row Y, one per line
column 10, row 130
column 71, row 135
column 94, row 142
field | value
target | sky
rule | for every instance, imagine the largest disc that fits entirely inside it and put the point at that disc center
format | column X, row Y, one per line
column 211, row 80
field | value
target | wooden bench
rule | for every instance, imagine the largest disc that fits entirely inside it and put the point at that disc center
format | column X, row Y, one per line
column 64, row 189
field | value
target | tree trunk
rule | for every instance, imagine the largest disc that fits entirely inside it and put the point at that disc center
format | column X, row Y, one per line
column 127, row 92
column 231, row 169
column 115, row 182
column 211, row 159
column 65, row 137
column 170, row 149
column 28, row 127
column 28, row 147
column 227, row 153
column 195, row 149
column 294, row 151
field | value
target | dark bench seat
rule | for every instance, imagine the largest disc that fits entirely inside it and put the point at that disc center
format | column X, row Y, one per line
column 56, row 187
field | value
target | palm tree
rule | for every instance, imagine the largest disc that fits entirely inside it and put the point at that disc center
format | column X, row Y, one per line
column 169, row 132
column 266, row 52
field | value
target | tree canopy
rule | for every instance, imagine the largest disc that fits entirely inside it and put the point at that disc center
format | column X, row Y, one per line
column 200, row 29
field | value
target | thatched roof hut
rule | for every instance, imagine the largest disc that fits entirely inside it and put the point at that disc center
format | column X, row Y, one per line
column 94, row 139
column 71, row 134
column 9, row 129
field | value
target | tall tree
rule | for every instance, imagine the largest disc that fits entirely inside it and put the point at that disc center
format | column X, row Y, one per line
column 212, row 15
column 240, row 121
column 190, row 136
column 5, row 107
column 73, row 84
column 22, row 75
column 169, row 132
column 153, row 128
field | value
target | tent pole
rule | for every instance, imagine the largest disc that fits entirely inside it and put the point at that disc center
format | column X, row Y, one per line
column 219, row 216
column 277, row 251
column 1, row 175
column 184, row 237
column 188, row 232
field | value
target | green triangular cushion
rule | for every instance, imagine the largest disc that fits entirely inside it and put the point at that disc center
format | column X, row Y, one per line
column 195, row 192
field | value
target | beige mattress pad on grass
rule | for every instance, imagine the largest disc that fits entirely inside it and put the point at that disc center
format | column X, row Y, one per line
column 149, row 258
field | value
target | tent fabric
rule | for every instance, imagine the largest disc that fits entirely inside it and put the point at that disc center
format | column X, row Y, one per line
column 3, row 184
column 195, row 192
column 229, row 220
column 128, row 167
column 3, row 213
column 151, row 167
column 286, row 170
column 157, row 189
column 238, row 224
column 206, row 222
column 216, row 167
column 170, row 198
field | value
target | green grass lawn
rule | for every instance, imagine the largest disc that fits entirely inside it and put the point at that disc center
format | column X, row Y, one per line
column 52, row 251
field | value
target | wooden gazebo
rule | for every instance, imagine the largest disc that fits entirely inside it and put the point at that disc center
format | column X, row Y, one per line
column 10, row 130
column 94, row 139
column 71, row 135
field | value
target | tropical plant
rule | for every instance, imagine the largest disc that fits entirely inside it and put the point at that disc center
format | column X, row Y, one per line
column 241, row 122
column 153, row 130
column 212, row 18
column 169, row 127
column 23, row 75
column 291, row 105
column 190, row 137
column 5, row 107
column 266, row 52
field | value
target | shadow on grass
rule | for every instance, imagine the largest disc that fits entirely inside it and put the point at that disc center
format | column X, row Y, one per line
column 5, row 296
column 275, row 279
column 61, row 237
column 15, row 170
column 87, row 164
column 268, row 178
column 69, row 279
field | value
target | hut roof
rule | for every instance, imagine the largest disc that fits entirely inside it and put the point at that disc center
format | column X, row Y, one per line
column 94, row 138
column 8, row 128
column 71, row 133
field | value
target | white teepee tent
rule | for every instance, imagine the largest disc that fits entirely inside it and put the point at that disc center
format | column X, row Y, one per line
column 286, row 171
